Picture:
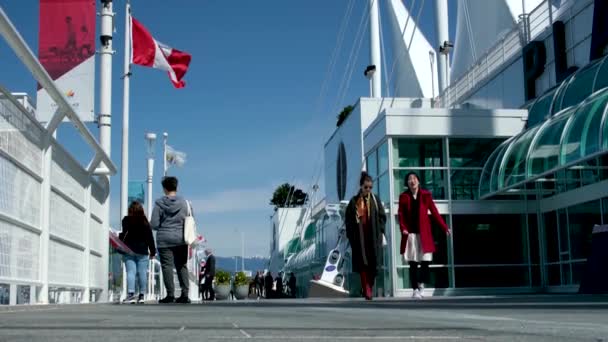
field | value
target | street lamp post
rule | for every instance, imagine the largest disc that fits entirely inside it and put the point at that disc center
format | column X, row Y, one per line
column 150, row 142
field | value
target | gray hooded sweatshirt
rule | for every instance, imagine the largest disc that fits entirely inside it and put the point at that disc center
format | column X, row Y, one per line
column 168, row 219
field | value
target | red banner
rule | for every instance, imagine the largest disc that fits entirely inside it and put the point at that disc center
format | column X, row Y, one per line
column 66, row 49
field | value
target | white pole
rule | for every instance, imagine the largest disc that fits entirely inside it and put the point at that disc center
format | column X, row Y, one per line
column 441, row 26
column 242, row 251
column 124, row 167
column 105, row 77
column 165, row 136
column 374, row 29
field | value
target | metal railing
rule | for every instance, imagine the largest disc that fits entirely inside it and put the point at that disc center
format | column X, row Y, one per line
column 53, row 210
column 509, row 46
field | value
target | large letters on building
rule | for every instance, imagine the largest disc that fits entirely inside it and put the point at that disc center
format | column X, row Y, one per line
column 66, row 49
column 535, row 57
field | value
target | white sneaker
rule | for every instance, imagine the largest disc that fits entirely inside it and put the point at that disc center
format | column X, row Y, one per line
column 417, row 294
column 421, row 290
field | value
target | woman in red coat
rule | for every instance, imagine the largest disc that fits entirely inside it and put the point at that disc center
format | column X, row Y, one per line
column 417, row 245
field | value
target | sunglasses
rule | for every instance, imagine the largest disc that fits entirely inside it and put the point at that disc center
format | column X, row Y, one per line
column 367, row 187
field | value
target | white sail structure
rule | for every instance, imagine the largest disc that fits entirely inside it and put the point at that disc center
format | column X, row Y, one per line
column 414, row 75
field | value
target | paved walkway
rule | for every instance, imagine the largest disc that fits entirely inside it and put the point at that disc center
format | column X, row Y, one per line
column 523, row 318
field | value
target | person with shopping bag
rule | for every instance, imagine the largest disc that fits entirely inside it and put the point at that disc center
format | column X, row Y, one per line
column 170, row 218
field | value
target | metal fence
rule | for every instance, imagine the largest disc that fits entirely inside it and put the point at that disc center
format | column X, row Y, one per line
column 53, row 239
column 508, row 47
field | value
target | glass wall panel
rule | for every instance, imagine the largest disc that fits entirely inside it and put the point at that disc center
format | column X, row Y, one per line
column 471, row 152
column 551, row 239
column 578, row 272
column 465, row 184
column 554, row 275
column 605, row 211
column 383, row 158
column 541, row 108
column 384, row 190
column 417, row 152
column 564, row 247
column 515, row 165
column 372, row 164
column 533, row 242
column 582, row 218
column 23, row 294
column 5, row 294
column 601, row 79
column 545, row 152
column 495, row 276
column 489, row 239
column 581, row 85
column 432, row 180
column 582, row 135
column 439, row 278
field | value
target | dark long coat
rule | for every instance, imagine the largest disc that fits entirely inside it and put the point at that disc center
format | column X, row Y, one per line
column 354, row 232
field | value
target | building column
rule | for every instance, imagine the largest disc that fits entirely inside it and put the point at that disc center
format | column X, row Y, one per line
column 87, row 246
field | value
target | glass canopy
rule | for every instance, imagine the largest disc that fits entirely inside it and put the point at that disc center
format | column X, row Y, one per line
column 575, row 128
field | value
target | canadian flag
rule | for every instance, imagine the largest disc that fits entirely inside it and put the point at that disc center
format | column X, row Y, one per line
column 147, row 51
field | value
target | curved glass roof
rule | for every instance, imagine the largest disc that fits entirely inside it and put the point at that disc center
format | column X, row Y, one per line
column 293, row 246
column 577, row 132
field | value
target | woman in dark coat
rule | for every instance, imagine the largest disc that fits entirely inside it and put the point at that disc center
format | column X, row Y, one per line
column 136, row 234
column 417, row 245
column 365, row 225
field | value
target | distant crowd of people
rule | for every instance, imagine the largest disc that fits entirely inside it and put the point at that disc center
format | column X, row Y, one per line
column 268, row 287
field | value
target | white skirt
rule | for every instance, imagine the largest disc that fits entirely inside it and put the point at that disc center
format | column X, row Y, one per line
column 413, row 250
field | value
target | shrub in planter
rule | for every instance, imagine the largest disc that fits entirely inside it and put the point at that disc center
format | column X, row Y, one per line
column 241, row 285
column 222, row 284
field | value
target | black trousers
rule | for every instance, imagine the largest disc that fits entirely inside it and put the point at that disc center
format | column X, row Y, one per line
column 208, row 292
column 421, row 276
column 177, row 257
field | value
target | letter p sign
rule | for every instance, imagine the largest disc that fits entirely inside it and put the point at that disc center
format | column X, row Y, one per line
column 534, row 57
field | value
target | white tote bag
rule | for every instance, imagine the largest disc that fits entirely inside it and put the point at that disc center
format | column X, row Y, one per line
column 189, row 226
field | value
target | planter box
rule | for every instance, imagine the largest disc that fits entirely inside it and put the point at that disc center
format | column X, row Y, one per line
column 242, row 292
column 222, row 291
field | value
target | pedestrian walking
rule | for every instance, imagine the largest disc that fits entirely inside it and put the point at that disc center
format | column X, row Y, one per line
column 259, row 284
column 292, row 285
column 209, row 274
column 137, row 235
column 417, row 245
column 268, row 283
column 365, row 221
column 168, row 218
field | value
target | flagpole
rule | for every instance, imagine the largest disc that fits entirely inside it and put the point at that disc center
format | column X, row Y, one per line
column 165, row 136
column 124, row 174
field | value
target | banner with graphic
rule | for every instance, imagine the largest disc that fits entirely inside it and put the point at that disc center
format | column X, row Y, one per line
column 66, row 49
column 137, row 192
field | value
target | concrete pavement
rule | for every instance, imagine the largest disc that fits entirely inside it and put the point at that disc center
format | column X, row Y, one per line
column 521, row 318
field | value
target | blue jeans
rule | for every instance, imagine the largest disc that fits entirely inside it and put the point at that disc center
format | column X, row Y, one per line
column 137, row 264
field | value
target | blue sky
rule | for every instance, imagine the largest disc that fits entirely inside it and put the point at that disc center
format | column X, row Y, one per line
column 250, row 116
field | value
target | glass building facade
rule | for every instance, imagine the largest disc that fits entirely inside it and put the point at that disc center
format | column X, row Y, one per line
column 551, row 179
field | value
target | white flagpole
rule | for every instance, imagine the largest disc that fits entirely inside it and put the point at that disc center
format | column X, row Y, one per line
column 124, row 174
column 165, row 136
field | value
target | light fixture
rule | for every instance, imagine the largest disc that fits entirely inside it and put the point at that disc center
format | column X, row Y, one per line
column 151, row 141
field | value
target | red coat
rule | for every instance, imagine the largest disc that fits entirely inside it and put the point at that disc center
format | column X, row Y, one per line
column 426, row 204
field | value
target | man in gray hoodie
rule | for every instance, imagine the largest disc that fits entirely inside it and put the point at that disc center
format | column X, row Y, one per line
column 168, row 218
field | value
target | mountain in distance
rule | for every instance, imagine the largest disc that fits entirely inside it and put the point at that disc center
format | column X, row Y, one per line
column 251, row 264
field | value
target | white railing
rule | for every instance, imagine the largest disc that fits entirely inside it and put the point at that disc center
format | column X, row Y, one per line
column 508, row 47
column 76, row 258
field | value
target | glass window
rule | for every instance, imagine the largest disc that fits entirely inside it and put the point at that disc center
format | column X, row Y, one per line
column 384, row 190
column 5, row 294
column 581, row 85
column 582, row 136
column 578, row 272
column 545, row 151
column 605, row 211
column 439, row 278
column 601, row 79
column 541, row 108
column 471, row 152
column 489, row 239
column 383, row 158
column 372, row 164
column 533, row 242
column 494, row 184
column 564, row 248
column 417, row 153
column 495, row 276
column 465, row 184
column 515, row 160
column 432, row 180
column 581, row 219
column 23, row 294
column 551, row 240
